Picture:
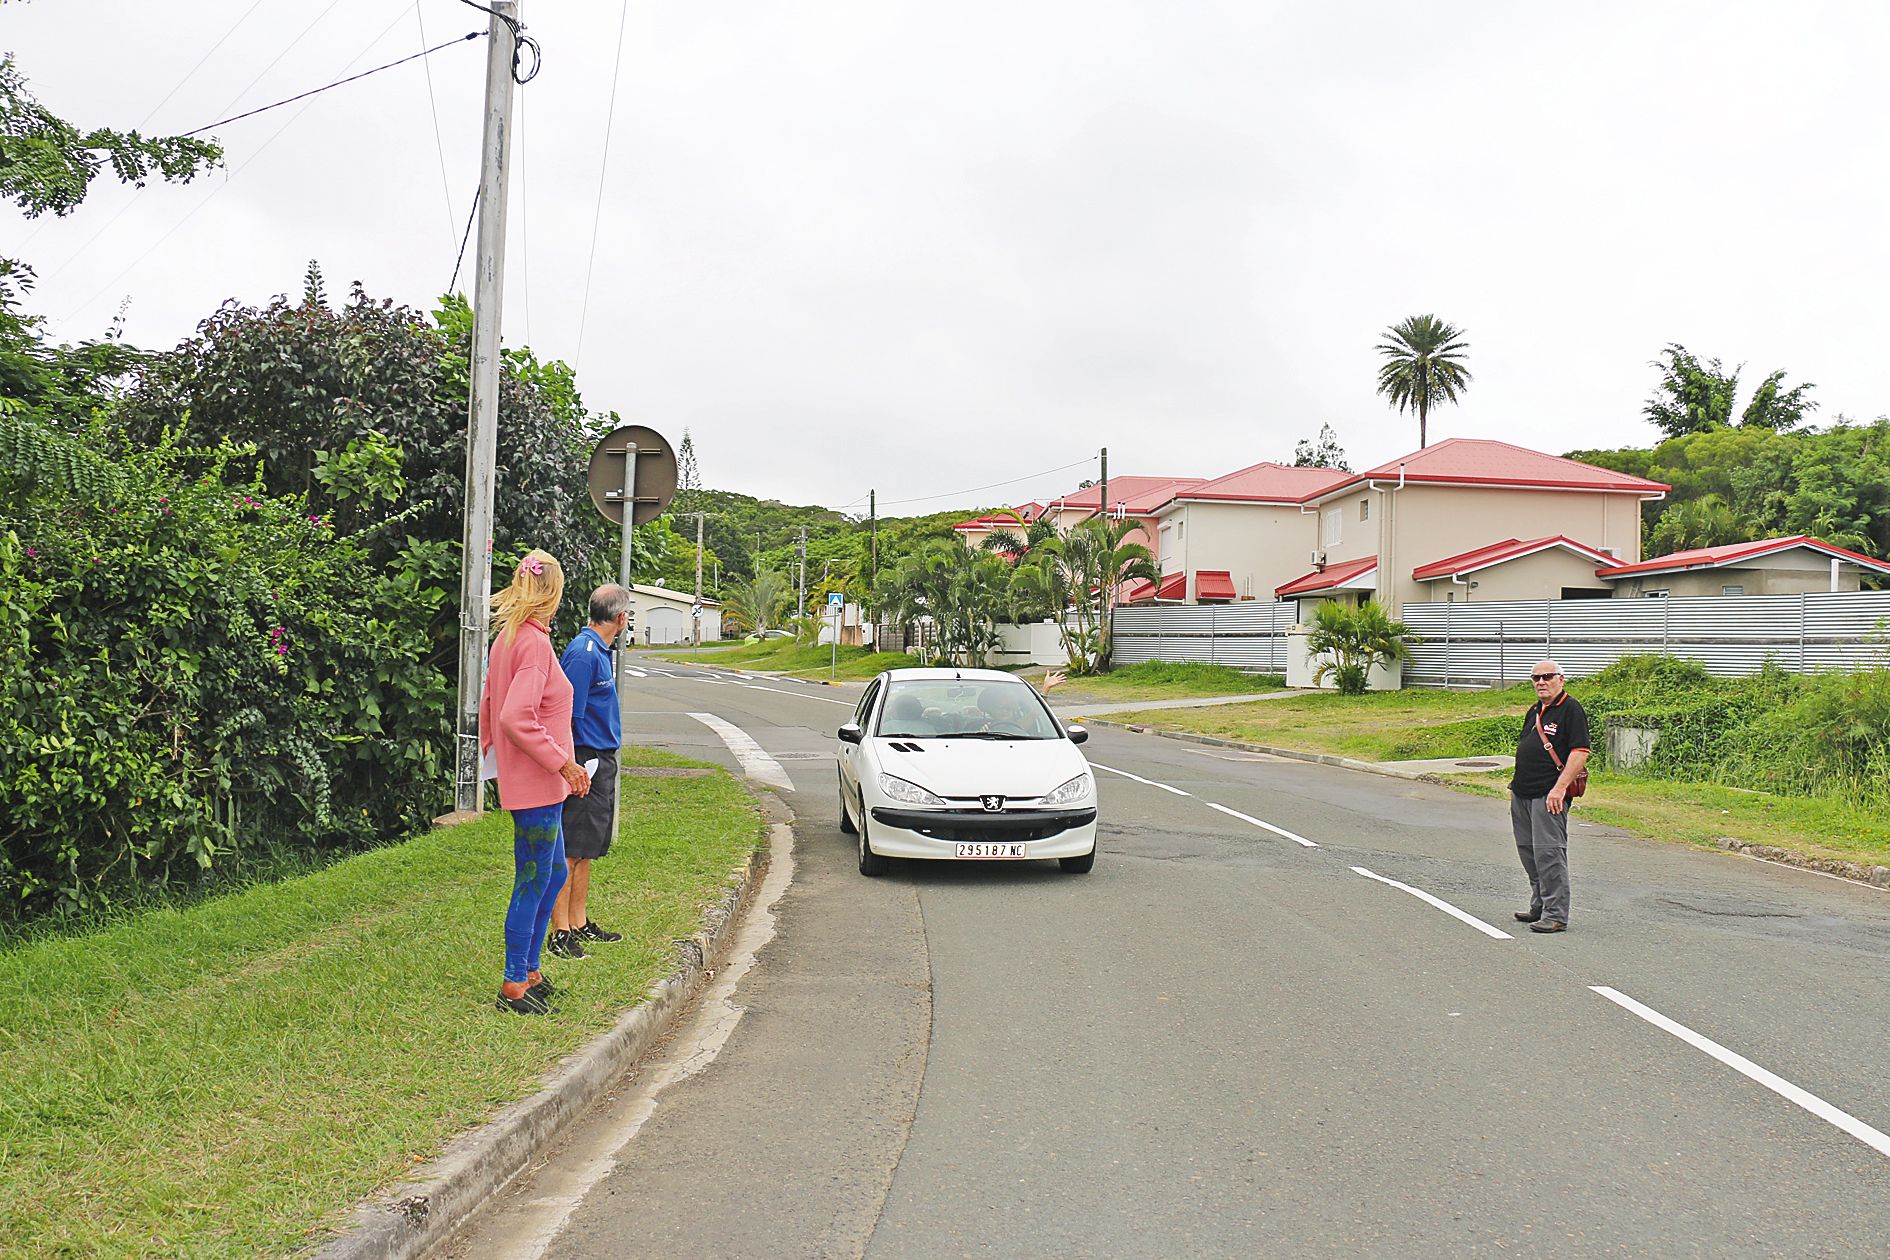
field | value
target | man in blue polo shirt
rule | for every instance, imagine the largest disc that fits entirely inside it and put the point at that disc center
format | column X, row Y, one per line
column 596, row 729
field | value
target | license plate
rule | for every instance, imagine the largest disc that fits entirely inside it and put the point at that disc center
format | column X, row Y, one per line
column 986, row 849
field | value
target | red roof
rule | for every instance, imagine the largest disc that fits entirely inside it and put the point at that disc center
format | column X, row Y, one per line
column 1174, row 586
column 1213, row 584
column 1137, row 496
column 1264, row 483
column 1732, row 553
column 1000, row 520
column 1329, row 578
column 1480, row 462
column 1137, row 592
column 1499, row 553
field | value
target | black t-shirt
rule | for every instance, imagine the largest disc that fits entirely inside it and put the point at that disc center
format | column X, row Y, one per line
column 1566, row 725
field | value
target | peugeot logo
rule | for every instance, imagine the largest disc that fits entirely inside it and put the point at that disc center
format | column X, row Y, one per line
column 992, row 804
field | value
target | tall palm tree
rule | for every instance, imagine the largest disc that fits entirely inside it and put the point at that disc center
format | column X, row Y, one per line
column 1079, row 569
column 1423, row 365
column 755, row 604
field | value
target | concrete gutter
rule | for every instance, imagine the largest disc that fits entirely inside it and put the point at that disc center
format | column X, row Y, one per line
column 418, row 1215
column 1869, row 874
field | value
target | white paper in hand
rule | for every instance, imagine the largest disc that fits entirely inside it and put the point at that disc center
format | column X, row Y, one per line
column 590, row 767
column 489, row 766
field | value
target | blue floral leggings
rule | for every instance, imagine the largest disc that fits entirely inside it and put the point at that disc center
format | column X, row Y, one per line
column 538, row 859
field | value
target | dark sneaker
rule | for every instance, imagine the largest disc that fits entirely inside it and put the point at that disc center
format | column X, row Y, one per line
column 566, row 945
column 526, row 1005
column 542, row 990
column 591, row 932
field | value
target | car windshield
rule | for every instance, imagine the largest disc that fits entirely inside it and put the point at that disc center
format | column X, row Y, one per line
column 948, row 708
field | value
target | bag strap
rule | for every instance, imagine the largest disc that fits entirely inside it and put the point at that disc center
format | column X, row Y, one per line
column 1547, row 747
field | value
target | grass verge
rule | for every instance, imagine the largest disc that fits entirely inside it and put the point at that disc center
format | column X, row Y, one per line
column 228, row 1079
column 1413, row 724
column 785, row 656
column 1168, row 680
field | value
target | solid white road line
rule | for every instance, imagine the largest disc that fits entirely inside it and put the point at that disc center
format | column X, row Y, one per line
column 1139, row 779
column 802, row 694
column 1264, row 826
column 756, row 763
column 1873, row 1138
column 1440, row 903
column 634, row 672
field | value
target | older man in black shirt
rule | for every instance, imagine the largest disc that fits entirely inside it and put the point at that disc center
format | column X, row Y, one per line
column 1551, row 753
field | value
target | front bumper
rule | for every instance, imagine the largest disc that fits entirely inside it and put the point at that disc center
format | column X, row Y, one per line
column 936, row 833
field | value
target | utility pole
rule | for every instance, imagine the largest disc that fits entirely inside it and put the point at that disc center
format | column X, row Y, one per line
column 1109, row 579
column 482, row 427
column 872, row 563
column 697, row 614
column 803, row 559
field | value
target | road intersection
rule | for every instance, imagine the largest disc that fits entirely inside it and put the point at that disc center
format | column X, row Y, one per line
column 1283, row 1017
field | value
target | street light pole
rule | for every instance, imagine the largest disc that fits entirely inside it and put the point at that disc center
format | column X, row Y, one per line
column 482, row 420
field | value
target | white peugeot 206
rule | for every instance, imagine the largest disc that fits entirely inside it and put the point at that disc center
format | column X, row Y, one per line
column 964, row 763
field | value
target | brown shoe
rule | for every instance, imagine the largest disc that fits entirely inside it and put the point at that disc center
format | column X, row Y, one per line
column 1528, row 916
column 1548, row 925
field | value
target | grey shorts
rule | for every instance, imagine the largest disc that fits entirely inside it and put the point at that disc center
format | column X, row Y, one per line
column 588, row 819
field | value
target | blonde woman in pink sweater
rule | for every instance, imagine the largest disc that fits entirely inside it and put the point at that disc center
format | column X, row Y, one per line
column 525, row 722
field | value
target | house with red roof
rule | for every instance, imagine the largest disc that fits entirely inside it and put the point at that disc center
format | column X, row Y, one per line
column 1769, row 566
column 1235, row 537
column 1014, row 521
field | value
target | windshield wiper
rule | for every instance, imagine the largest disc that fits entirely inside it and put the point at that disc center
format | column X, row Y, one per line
column 983, row 735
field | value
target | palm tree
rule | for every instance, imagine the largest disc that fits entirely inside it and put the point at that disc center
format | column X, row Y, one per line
column 1079, row 570
column 1423, row 365
column 963, row 592
column 1353, row 640
column 754, row 604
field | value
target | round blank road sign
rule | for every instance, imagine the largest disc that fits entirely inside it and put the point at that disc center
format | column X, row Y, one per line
column 656, row 474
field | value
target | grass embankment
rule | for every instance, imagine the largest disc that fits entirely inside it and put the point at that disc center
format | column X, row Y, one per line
column 1167, row 680
column 1415, row 724
column 230, row 1078
column 785, row 656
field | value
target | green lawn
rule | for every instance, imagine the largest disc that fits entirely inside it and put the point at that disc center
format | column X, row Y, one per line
column 785, row 656
column 1167, row 680
column 1417, row 723
column 230, row 1078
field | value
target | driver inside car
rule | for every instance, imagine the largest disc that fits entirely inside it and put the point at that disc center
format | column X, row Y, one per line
column 1000, row 711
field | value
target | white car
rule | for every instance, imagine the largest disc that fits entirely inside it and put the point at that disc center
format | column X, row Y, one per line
column 964, row 763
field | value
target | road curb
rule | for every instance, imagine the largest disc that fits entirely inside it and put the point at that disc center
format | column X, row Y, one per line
column 441, row 1198
column 1857, row 872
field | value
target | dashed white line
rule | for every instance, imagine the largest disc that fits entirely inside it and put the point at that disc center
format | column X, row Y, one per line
column 802, row 694
column 1440, row 903
column 1264, row 826
column 755, row 761
column 1876, row 1139
column 1139, row 779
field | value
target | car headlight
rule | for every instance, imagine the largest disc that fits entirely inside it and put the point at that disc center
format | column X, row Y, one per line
column 1069, row 793
column 905, row 793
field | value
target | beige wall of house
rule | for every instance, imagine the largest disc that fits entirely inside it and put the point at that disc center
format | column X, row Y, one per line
column 1422, row 523
column 1793, row 573
column 1261, row 546
column 1544, row 575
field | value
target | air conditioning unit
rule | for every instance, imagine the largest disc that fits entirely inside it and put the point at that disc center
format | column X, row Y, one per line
column 1318, row 559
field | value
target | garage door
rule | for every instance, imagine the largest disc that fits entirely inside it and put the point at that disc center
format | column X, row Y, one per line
column 667, row 625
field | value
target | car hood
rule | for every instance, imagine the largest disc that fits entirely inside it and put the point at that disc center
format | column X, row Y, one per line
column 976, row 767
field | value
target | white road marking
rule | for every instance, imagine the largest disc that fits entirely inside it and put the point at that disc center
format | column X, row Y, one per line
column 756, row 763
column 1440, row 903
column 1842, row 879
column 634, row 672
column 1873, row 1138
column 527, row 1232
column 802, row 694
column 1139, row 779
column 1264, row 826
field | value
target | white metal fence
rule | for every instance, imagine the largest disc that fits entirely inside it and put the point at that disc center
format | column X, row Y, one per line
column 1497, row 642
column 1249, row 635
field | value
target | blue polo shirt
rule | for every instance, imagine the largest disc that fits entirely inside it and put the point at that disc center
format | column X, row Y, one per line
column 590, row 665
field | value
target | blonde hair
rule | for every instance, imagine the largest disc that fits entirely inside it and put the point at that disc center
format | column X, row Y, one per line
column 532, row 596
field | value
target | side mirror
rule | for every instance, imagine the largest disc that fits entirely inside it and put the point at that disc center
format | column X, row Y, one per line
column 1077, row 734
column 851, row 733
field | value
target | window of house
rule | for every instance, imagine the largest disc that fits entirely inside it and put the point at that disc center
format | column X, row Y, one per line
column 1732, row 590
column 1365, row 509
column 1334, row 519
column 1653, row 594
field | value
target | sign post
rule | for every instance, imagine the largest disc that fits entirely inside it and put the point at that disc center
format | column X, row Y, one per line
column 836, row 605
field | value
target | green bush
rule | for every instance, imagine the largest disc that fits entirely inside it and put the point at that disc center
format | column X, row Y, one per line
column 1473, row 737
column 190, row 669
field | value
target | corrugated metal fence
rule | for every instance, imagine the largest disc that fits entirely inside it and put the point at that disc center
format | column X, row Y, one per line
column 1498, row 642
column 1730, row 635
column 1249, row 636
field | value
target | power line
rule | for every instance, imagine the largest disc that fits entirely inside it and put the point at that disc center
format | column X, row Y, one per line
column 926, row 498
column 597, row 216
column 520, row 42
column 326, row 87
column 153, row 247
column 439, row 144
column 472, row 214
column 193, row 70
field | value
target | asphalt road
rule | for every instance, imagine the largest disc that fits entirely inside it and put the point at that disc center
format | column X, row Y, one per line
column 1225, row 1042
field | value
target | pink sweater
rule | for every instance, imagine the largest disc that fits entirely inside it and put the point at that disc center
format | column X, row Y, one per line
column 525, row 714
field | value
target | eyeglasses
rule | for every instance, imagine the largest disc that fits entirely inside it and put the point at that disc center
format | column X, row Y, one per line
column 1543, row 677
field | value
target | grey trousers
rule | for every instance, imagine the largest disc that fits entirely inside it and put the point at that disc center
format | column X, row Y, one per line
column 1542, row 844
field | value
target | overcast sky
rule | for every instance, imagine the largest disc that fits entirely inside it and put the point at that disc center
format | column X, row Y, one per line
column 923, row 248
